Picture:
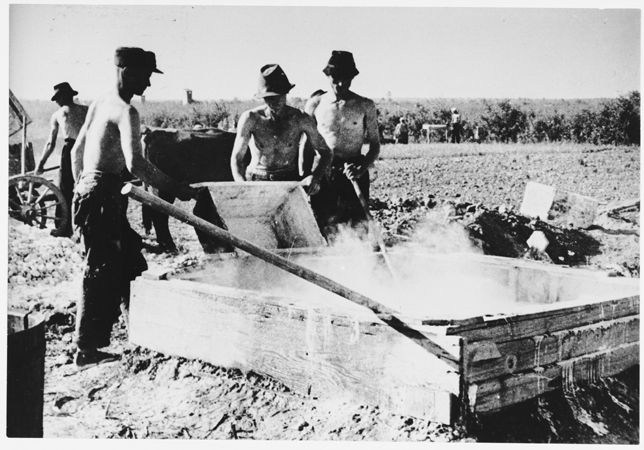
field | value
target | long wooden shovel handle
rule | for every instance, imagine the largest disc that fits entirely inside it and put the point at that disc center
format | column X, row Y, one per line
column 384, row 313
column 374, row 227
column 219, row 233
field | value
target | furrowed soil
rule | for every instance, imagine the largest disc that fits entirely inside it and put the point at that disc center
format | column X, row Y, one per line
column 430, row 189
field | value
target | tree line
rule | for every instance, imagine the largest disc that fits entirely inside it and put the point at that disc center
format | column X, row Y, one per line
column 611, row 121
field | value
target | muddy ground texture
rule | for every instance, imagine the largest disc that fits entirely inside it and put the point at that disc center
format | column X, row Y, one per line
column 474, row 188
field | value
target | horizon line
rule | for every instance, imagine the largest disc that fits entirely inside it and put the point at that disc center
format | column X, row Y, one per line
column 392, row 99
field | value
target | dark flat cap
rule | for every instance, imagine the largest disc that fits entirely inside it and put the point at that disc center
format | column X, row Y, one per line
column 135, row 57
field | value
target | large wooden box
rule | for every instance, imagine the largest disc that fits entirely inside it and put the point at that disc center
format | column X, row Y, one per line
column 504, row 330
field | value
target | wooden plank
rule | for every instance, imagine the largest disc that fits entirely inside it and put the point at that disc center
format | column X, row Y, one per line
column 309, row 349
column 20, row 111
column 258, row 230
column 508, row 327
column 492, row 395
column 524, row 354
column 294, row 222
column 615, row 207
column 273, row 214
column 558, row 207
column 249, row 199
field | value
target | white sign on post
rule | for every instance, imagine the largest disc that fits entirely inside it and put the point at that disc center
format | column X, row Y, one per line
column 537, row 200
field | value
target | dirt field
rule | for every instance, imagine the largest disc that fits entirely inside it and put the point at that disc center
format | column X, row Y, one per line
column 150, row 395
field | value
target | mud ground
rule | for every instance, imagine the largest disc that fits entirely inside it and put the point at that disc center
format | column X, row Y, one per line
column 478, row 188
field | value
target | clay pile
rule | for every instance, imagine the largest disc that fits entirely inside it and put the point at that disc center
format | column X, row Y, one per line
column 36, row 258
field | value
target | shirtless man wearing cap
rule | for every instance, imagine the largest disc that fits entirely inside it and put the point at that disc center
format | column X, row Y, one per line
column 274, row 132
column 69, row 119
column 345, row 120
column 107, row 150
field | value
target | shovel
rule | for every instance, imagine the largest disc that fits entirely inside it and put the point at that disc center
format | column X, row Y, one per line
column 384, row 313
column 374, row 228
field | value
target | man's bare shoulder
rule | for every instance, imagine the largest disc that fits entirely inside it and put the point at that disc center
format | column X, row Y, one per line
column 300, row 116
column 295, row 112
column 58, row 115
column 313, row 102
column 80, row 107
column 362, row 102
column 252, row 114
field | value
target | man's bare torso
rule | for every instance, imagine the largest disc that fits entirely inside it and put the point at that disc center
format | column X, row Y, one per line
column 103, row 151
column 275, row 142
column 70, row 119
column 342, row 123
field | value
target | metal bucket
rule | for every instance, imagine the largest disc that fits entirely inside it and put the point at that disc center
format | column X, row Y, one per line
column 25, row 374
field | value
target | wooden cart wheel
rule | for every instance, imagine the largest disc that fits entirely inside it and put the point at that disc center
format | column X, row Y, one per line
column 33, row 200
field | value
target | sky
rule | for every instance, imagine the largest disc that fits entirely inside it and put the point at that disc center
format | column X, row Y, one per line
column 409, row 52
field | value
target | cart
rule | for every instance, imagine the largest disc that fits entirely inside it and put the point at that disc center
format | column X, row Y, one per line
column 33, row 199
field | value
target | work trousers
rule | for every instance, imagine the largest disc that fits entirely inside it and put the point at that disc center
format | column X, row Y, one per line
column 112, row 257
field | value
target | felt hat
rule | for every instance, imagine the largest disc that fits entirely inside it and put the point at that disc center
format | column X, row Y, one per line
column 341, row 64
column 135, row 57
column 273, row 81
column 61, row 89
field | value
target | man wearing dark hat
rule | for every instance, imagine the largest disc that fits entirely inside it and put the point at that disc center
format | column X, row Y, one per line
column 107, row 151
column 345, row 120
column 69, row 118
column 273, row 132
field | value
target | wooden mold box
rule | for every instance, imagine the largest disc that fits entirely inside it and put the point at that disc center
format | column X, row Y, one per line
column 504, row 330
column 271, row 214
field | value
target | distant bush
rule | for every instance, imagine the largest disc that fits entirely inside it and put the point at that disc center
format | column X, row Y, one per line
column 505, row 122
column 609, row 121
column 178, row 115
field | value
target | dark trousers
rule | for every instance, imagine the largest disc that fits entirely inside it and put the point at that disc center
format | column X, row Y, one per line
column 66, row 185
column 337, row 203
column 456, row 133
column 112, row 257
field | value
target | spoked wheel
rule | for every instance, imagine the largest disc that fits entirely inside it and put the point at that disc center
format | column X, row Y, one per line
column 37, row 202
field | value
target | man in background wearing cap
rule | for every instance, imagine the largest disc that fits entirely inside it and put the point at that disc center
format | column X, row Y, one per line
column 107, row 151
column 69, row 118
column 345, row 120
column 273, row 132
column 455, row 127
column 401, row 132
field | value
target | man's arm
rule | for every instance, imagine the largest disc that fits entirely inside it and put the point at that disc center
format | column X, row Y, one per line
column 307, row 153
column 130, row 130
column 79, row 146
column 50, row 145
column 325, row 154
column 312, row 104
column 354, row 170
column 372, row 137
column 237, row 163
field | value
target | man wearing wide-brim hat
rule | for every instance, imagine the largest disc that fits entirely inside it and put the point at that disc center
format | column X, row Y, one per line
column 108, row 152
column 273, row 132
column 68, row 119
column 346, row 121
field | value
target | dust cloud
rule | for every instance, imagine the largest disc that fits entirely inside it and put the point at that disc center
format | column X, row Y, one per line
column 432, row 278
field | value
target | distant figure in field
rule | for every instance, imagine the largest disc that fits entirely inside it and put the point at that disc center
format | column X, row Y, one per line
column 401, row 132
column 455, row 125
column 476, row 132
column 107, row 152
column 273, row 132
column 69, row 119
column 345, row 120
